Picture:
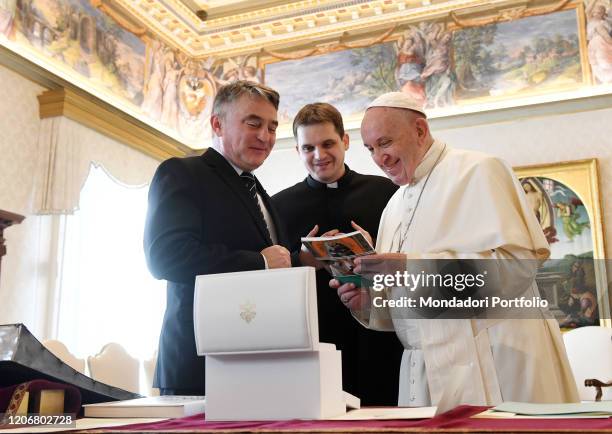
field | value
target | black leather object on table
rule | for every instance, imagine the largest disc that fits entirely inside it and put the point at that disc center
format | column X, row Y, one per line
column 24, row 358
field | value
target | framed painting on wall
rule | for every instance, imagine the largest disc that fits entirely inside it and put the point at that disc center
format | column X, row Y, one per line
column 565, row 199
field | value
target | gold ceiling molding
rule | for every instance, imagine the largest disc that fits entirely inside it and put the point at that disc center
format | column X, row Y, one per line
column 109, row 121
column 275, row 11
column 331, row 47
column 279, row 26
column 508, row 14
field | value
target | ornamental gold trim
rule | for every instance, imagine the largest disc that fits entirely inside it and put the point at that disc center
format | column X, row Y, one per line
column 109, row 121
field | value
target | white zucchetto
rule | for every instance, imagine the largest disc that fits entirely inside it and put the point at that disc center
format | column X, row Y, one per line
column 397, row 100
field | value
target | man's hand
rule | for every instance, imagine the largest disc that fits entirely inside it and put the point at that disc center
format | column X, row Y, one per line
column 352, row 297
column 277, row 257
column 306, row 258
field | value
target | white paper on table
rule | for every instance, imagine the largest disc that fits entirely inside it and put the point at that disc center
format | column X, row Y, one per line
column 492, row 414
column 573, row 408
column 386, row 413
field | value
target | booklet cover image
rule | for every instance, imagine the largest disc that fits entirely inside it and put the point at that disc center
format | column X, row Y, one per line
column 338, row 252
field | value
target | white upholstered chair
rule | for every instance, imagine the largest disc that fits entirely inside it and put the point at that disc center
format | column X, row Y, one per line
column 60, row 351
column 149, row 372
column 115, row 367
column 589, row 350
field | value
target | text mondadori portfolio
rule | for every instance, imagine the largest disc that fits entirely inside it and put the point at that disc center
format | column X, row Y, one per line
column 460, row 303
column 457, row 282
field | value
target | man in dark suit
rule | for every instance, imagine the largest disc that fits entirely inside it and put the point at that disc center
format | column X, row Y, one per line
column 208, row 214
column 333, row 196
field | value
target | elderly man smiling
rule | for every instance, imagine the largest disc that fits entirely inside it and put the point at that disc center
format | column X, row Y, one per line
column 457, row 204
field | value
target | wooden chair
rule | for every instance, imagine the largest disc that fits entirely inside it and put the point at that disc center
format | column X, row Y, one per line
column 149, row 373
column 60, row 351
column 589, row 350
column 115, row 367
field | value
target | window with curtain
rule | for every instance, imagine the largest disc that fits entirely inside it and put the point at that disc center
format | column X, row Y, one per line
column 106, row 293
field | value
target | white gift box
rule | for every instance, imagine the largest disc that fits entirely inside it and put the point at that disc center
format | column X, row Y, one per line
column 275, row 386
column 256, row 311
column 259, row 333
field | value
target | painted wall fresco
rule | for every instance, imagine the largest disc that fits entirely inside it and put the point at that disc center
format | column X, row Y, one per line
column 347, row 79
column 75, row 34
column 599, row 35
column 180, row 91
column 441, row 67
column 567, row 280
column 534, row 54
column 424, row 67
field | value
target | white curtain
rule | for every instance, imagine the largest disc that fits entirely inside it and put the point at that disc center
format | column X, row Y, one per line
column 65, row 151
column 106, row 291
column 98, row 288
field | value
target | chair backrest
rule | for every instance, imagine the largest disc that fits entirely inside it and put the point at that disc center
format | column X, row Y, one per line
column 115, row 367
column 149, row 372
column 60, row 351
column 589, row 350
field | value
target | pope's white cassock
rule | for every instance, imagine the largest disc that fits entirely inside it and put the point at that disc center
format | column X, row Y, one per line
column 472, row 207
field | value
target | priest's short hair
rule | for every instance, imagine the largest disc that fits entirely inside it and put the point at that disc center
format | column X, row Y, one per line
column 318, row 113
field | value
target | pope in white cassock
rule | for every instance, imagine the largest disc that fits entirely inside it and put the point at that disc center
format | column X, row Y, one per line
column 458, row 204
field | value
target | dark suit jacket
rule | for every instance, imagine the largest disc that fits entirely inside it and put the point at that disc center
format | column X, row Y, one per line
column 200, row 220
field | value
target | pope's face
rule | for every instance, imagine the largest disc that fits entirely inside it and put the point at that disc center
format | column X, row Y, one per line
column 321, row 149
column 395, row 140
column 247, row 131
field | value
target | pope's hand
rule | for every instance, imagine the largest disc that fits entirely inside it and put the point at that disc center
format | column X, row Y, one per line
column 277, row 256
column 351, row 296
column 365, row 233
column 382, row 263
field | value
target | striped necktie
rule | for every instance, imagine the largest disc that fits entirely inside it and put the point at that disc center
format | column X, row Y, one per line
column 249, row 181
column 251, row 185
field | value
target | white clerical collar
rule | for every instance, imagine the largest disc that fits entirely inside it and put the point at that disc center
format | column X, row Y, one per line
column 428, row 161
column 341, row 182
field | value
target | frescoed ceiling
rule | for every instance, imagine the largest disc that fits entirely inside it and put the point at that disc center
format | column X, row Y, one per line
column 224, row 28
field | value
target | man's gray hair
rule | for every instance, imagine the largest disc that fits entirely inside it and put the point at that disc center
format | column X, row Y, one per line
column 234, row 90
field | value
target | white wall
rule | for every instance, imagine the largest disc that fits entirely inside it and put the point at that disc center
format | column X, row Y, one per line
column 19, row 125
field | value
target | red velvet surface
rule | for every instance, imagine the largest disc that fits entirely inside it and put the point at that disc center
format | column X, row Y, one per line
column 456, row 419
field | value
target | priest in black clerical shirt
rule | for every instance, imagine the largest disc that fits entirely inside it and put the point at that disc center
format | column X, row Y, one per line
column 332, row 196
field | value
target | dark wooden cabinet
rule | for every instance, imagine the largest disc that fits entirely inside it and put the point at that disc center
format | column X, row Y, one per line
column 6, row 219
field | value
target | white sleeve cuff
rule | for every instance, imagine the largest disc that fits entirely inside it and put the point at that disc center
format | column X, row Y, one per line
column 265, row 262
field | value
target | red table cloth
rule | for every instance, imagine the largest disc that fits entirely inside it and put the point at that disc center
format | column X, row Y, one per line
column 458, row 419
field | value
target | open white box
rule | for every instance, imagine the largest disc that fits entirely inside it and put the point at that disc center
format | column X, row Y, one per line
column 259, row 333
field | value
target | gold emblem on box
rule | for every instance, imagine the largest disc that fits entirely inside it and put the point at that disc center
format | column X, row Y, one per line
column 247, row 311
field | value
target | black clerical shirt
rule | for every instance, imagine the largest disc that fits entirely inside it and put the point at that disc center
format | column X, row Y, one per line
column 370, row 359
